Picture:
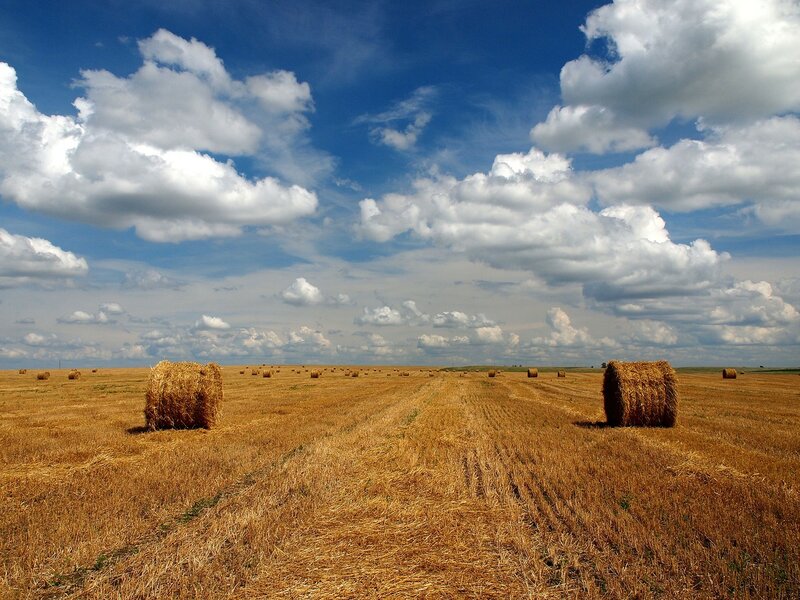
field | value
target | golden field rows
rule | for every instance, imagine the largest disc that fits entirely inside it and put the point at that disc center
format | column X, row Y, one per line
column 390, row 486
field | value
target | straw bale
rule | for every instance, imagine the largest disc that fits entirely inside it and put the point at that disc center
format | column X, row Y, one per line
column 533, row 372
column 74, row 375
column 183, row 395
column 43, row 375
column 562, row 374
column 492, row 373
column 729, row 373
column 640, row 393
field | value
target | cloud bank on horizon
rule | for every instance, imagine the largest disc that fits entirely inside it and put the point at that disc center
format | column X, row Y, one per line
column 563, row 251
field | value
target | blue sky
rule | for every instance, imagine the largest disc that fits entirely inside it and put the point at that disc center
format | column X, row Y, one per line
column 435, row 183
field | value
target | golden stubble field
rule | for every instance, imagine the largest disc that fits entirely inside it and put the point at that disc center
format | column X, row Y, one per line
column 386, row 486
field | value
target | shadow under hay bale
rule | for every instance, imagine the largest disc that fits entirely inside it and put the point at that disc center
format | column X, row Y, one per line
column 561, row 374
column 533, row 372
column 183, row 395
column 640, row 394
column 74, row 375
column 729, row 373
column 43, row 376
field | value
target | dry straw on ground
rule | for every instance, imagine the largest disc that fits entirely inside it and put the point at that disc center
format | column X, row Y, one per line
column 43, row 376
column 562, row 374
column 492, row 373
column 640, row 393
column 729, row 373
column 183, row 395
column 533, row 372
column 74, row 375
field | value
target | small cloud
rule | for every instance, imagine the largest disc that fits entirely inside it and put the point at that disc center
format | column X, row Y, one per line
column 150, row 279
column 302, row 293
column 112, row 308
column 25, row 321
column 211, row 323
column 413, row 112
column 81, row 317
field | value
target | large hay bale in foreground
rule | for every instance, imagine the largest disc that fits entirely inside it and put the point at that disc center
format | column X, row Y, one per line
column 729, row 373
column 640, row 393
column 315, row 374
column 74, row 375
column 533, row 372
column 43, row 376
column 561, row 374
column 183, row 395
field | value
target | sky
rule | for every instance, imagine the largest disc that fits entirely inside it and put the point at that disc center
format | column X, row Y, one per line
column 442, row 182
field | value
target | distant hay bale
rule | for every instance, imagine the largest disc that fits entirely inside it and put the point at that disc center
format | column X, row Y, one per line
column 492, row 373
column 94, row 370
column 267, row 374
column 430, row 374
column 533, row 372
column 43, row 376
column 74, row 375
column 354, row 374
column 23, row 371
column 254, row 372
column 315, row 374
column 640, row 393
column 729, row 373
column 183, row 395
column 562, row 374
column 241, row 372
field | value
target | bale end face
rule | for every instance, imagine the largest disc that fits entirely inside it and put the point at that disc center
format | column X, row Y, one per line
column 183, row 395
column 533, row 372
column 729, row 373
column 640, row 394
column 562, row 374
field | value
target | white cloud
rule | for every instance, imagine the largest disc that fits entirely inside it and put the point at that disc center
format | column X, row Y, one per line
column 149, row 279
column 489, row 335
column 81, row 317
column 456, row 318
column 590, row 128
column 529, row 213
column 112, row 308
column 653, row 333
column 302, row 293
column 383, row 315
column 432, row 341
column 135, row 157
column 564, row 334
column 28, row 260
column 413, row 112
column 676, row 58
column 733, row 165
column 211, row 323
column 308, row 337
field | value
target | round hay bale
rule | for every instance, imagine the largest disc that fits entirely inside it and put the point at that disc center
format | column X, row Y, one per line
column 267, row 374
column 315, row 374
column 183, row 395
column 562, row 374
column 729, row 373
column 74, row 375
column 241, row 372
column 254, row 372
column 23, row 371
column 354, row 374
column 533, row 372
column 43, row 376
column 492, row 373
column 94, row 370
column 640, row 393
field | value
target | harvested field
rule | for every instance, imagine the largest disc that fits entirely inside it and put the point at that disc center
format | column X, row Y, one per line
column 451, row 486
